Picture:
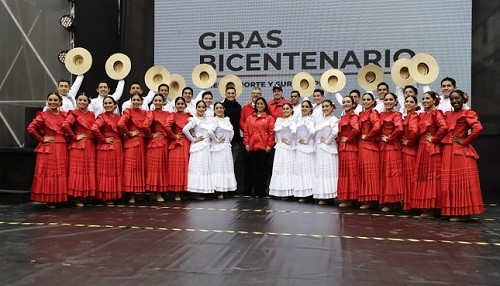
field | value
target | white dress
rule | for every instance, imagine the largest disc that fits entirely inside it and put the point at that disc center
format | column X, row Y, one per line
column 199, row 167
column 222, row 167
column 282, row 184
column 326, row 169
column 303, row 173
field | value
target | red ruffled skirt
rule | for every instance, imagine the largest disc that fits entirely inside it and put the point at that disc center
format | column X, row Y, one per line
column 369, row 173
column 409, row 175
column 157, row 158
column 177, row 170
column 391, row 177
column 50, row 178
column 460, row 187
column 134, row 173
column 348, row 184
column 82, row 177
column 427, row 194
column 110, row 173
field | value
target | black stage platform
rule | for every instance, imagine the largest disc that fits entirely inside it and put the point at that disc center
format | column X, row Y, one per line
column 243, row 241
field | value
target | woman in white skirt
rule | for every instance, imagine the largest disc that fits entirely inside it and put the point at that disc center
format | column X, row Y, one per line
column 199, row 167
column 303, row 173
column 281, row 184
column 326, row 163
column 222, row 158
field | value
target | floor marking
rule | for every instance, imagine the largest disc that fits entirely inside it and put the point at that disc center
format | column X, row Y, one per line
column 259, row 233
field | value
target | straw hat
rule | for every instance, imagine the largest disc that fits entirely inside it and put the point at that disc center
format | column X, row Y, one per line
column 400, row 73
column 424, row 68
column 155, row 76
column 370, row 76
column 118, row 66
column 230, row 80
column 204, row 76
column 177, row 84
column 304, row 83
column 333, row 80
column 78, row 61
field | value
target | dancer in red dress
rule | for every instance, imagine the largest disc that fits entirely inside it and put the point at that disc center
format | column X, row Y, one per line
column 109, row 156
column 348, row 184
column 178, row 156
column 134, row 148
column 78, row 124
column 409, row 141
column 50, row 178
column 368, row 152
column 432, row 128
column 391, row 174
column 460, row 188
column 157, row 149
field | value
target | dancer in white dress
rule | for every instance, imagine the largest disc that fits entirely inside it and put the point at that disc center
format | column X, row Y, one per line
column 326, row 163
column 281, row 184
column 199, row 167
column 303, row 173
column 222, row 158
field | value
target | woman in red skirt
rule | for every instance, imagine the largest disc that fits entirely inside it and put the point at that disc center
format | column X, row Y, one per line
column 409, row 141
column 157, row 149
column 134, row 148
column 78, row 125
column 460, row 188
column 178, row 156
column 368, row 153
column 50, row 179
column 391, row 174
column 432, row 128
column 109, row 156
column 348, row 184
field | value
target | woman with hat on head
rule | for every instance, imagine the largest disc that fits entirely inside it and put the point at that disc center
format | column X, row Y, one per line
column 78, row 126
column 178, row 156
column 303, row 171
column 326, row 166
column 259, row 140
column 460, row 186
column 199, row 171
column 109, row 155
column 281, row 184
column 391, row 175
column 432, row 128
column 368, row 153
column 134, row 148
column 409, row 144
column 156, row 123
column 50, row 178
column 348, row 153
column 222, row 133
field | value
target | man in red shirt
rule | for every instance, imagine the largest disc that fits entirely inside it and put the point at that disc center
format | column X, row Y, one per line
column 248, row 108
column 276, row 104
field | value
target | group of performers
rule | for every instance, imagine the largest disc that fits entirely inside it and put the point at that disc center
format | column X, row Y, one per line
column 415, row 157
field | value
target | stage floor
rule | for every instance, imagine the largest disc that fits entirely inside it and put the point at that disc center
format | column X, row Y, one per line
column 242, row 241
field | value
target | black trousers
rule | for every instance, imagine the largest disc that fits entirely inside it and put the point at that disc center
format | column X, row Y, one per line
column 259, row 172
column 239, row 161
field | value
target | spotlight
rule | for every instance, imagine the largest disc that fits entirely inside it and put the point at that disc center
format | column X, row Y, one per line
column 62, row 56
column 67, row 22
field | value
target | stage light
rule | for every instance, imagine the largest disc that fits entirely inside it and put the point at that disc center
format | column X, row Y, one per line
column 67, row 22
column 62, row 56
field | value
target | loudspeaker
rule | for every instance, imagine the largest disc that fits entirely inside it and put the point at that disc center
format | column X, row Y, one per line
column 29, row 115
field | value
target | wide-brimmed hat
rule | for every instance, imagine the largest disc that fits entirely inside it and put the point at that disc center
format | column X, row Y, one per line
column 204, row 76
column 233, row 81
column 424, row 68
column 370, row 76
column 304, row 83
column 400, row 73
column 118, row 66
column 177, row 84
column 333, row 80
column 155, row 76
column 78, row 61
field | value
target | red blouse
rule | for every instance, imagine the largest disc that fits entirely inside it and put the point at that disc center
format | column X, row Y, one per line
column 349, row 128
